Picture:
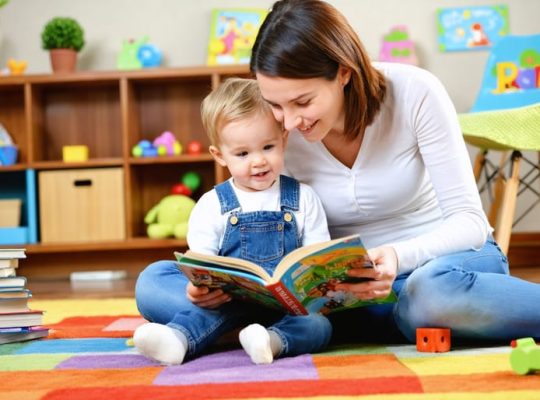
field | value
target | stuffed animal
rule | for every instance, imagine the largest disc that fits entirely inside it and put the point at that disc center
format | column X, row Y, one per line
column 169, row 217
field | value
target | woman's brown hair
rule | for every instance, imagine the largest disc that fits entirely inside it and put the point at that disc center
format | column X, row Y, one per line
column 302, row 39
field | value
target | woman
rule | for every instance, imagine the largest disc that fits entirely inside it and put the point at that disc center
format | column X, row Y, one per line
column 382, row 147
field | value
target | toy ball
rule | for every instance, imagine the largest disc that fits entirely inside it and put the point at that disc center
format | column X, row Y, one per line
column 149, row 56
column 192, row 180
column 180, row 188
column 177, row 148
column 162, row 150
column 145, row 144
column 150, row 152
column 194, row 147
column 137, row 151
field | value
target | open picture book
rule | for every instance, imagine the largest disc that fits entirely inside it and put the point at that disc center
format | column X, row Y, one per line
column 303, row 282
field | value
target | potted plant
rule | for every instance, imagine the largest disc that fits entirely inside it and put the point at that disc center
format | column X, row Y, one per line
column 63, row 37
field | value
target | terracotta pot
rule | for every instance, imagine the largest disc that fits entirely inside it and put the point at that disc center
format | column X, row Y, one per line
column 63, row 60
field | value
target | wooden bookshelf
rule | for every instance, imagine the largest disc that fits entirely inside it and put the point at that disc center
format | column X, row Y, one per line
column 110, row 112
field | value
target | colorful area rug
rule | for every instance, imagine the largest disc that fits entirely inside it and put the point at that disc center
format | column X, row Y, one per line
column 88, row 356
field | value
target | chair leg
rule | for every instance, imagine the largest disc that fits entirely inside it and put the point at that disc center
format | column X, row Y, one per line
column 498, row 191
column 479, row 163
column 508, row 205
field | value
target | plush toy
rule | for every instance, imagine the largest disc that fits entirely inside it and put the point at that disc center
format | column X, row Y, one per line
column 169, row 217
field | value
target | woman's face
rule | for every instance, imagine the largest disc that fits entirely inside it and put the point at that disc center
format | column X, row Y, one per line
column 312, row 107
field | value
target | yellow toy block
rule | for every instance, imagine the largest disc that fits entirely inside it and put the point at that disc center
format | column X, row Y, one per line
column 75, row 153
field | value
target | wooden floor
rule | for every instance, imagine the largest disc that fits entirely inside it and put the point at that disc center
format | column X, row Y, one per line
column 61, row 289
column 64, row 289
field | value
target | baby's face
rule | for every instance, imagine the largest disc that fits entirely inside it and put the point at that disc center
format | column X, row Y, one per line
column 253, row 150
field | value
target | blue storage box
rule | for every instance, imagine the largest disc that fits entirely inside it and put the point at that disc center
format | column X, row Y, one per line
column 18, row 235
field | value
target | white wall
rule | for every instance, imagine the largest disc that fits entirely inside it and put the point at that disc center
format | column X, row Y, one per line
column 180, row 29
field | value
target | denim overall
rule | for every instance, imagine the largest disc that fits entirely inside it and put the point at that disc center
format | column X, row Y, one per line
column 262, row 237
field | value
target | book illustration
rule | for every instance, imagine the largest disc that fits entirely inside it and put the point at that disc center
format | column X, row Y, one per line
column 232, row 34
column 471, row 28
column 303, row 282
column 238, row 284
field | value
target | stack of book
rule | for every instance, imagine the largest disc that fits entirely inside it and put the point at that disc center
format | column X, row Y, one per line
column 17, row 321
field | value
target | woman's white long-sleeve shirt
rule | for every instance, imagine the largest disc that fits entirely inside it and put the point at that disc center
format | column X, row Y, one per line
column 411, row 185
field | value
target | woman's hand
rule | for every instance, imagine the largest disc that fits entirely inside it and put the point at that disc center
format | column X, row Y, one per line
column 380, row 278
column 206, row 298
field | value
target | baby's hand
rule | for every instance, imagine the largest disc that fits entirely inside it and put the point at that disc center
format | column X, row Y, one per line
column 206, row 298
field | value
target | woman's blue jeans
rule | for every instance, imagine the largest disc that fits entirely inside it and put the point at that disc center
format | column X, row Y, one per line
column 470, row 292
column 161, row 297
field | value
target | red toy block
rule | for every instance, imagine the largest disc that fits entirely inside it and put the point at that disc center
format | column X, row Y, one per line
column 433, row 340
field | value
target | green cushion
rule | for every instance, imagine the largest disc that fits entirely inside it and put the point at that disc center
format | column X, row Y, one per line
column 510, row 129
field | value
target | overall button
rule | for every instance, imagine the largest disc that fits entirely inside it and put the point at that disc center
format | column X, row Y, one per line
column 233, row 220
column 287, row 217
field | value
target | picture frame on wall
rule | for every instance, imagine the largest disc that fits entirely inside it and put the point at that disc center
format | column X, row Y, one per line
column 471, row 28
column 232, row 35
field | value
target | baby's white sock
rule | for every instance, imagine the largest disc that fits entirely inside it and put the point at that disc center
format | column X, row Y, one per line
column 259, row 344
column 161, row 343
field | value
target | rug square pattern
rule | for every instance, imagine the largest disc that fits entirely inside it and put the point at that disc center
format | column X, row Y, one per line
column 31, row 362
column 124, row 324
column 236, row 366
column 94, row 326
column 458, row 365
column 74, row 346
column 354, row 366
column 106, row 361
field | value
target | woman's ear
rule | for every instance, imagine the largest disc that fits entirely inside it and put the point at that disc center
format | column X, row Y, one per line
column 344, row 75
column 218, row 156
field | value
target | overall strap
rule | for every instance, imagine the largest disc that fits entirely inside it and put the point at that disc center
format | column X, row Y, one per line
column 289, row 193
column 227, row 198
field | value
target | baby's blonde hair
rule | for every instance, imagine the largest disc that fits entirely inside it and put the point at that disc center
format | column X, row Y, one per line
column 234, row 99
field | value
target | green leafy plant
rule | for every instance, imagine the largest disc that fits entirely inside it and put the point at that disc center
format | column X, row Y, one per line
column 62, row 33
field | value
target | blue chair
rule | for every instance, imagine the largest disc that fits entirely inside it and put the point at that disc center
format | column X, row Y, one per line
column 506, row 118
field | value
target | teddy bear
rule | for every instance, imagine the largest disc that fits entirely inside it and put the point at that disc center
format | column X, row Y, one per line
column 169, row 217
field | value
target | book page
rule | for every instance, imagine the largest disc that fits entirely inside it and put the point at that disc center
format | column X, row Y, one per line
column 306, row 251
column 228, row 263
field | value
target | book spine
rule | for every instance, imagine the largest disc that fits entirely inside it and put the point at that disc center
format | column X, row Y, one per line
column 290, row 302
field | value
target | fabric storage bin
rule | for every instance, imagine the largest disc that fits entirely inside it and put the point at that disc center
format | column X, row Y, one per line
column 81, row 205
